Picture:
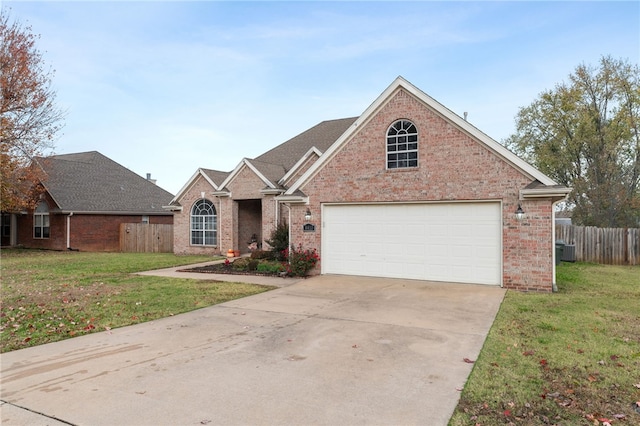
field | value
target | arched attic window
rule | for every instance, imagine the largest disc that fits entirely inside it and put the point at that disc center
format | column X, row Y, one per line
column 402, row 145
column 204, row 224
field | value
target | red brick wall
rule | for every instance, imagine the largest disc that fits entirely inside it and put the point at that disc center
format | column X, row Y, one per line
column 246, row 185
column 182, row 220
column 268, row 219
column 102, row 232
column 57, row 233
column 88, row 232
column 236, row 224
column 452, row 166
column 303, row 168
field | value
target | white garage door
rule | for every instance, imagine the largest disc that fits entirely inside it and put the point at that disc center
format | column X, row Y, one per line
column 455, row 242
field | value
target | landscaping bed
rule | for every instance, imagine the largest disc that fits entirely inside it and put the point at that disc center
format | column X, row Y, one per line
column 294, row 262
column 243, row 266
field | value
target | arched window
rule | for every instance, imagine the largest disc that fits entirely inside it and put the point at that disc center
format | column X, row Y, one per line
column 41, row 221
column 204, row 224
column 402, row 145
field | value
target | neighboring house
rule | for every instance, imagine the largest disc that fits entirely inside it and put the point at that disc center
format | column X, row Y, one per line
column 407, row 190
column 87, row 196
column 563, row 217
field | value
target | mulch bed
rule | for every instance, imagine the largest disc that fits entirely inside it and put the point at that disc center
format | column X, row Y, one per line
column 221, row 268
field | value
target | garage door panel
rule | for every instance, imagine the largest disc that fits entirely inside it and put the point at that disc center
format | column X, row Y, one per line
column 458, row 242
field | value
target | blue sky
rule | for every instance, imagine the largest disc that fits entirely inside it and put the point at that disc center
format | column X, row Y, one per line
column 165, row 87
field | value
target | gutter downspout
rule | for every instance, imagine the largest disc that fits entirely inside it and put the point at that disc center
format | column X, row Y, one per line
column 69, row 230
column 289, row 226
column 554, row 285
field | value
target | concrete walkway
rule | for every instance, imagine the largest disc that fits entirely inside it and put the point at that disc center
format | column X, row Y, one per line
column 327, row 350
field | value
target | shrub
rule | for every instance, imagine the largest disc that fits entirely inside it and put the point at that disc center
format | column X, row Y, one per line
column 279, row 241
column 262, row 254
column 271, row 267
column 301, row 261
column 240, row 264
column 252, row 264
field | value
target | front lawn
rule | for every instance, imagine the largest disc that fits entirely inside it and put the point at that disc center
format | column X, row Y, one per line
column 568, row 358
column 49, row 296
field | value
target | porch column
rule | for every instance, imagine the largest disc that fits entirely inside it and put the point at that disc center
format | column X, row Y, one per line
column 13, row 230
column 268, row 217
column 228, row 217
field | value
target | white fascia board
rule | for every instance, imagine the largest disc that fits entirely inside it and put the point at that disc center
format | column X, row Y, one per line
column 492, row 144
column 233, row 174
column 401, row 83
column 173, row 208
column 271, row 191
column 245, row 163
column 296, row 199
column 259, row 174
column 118, row 213
column 190, row 182
column 544, row 192
column 301, row 161
column 330, row 152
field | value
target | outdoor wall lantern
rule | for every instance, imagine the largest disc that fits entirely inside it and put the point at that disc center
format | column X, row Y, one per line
column 307, row 215
column 519, row 213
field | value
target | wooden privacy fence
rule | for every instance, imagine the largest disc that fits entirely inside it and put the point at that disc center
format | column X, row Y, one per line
column 146, row 238
column 611, row 246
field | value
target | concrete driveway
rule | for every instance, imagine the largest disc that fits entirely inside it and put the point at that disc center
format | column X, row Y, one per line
column 328, row 350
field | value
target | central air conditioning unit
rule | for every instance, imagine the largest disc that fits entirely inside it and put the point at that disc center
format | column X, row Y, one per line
column 569, row 253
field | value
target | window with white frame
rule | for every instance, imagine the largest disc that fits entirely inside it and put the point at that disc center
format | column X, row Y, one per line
column 402, row 145
column 204, row 224
column 41, row 221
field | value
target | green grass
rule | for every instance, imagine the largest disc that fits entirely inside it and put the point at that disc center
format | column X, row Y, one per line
column 572, row 357
column 49, row 296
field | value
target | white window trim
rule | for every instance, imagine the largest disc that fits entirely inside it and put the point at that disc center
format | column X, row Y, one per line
column 407, row 151
column 44, row 221
column 203, row 231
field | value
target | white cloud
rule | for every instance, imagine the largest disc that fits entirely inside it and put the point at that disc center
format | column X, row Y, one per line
column 167, row 87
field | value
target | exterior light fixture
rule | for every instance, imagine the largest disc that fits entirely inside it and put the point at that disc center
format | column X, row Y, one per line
column 519, row 213
column 307, row 215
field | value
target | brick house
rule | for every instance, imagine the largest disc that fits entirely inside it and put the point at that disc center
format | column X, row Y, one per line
column 87, row 196
column 406, row 190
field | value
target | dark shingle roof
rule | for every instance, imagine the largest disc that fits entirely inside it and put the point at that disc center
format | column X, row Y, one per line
column 273, row 172
column 91, row 182
column 215, row 175
column 321, row 136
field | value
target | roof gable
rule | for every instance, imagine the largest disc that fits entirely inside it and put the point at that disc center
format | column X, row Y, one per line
column 260, row 169
column 272, row 166
column 311, row 153
column 402, row 84
column 321, row 136
column 89, row 182
column 211, row 176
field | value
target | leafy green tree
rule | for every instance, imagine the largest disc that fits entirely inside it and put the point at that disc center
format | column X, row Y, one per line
column 585, row 134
